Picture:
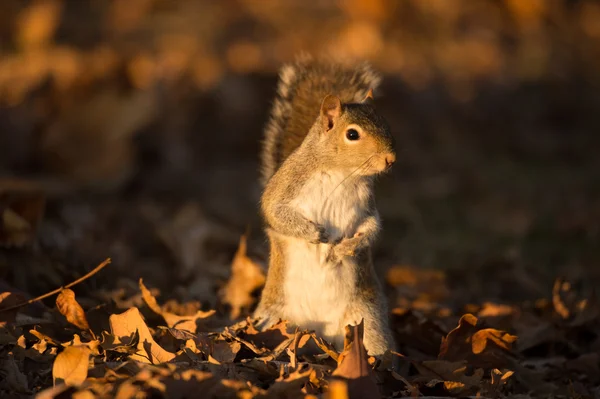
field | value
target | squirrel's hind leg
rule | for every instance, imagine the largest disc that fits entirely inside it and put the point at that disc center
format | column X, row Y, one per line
column 377, row 336
column 265, row 317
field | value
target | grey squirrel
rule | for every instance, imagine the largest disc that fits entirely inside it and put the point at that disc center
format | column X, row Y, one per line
column 323, row 145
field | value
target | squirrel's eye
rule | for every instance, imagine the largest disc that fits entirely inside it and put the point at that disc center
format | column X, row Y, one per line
column 352, row 134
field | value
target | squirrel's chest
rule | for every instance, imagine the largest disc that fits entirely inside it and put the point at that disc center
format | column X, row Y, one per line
column 333, row 201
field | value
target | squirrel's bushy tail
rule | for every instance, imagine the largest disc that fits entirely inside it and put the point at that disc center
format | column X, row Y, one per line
column 302, row 87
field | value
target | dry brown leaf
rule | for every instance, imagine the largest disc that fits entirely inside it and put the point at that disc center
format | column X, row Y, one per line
column 326, row 347
column 560, row 307
column 353, row 365
column 501, row 339
column 71, row 366
column 43, row 337
column 186, row 323
column 290, row 385
column 487, row 348
column 278, row 351
column 224, row 352
column 499, row 378
column 93, row 345
column 454, row 387
column 269, row 338
column 123, row 326
column 300, row 339
column 246, row 277
column 69, row 307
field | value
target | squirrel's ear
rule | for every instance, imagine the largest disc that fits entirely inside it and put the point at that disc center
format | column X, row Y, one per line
column 369, row 97
column 331, row 109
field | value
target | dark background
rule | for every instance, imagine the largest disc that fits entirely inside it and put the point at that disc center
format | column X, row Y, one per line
column 141, row 121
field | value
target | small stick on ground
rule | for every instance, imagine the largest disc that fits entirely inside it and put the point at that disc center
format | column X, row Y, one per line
column 56, row 291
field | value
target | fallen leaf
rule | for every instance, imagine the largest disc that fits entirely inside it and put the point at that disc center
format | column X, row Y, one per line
column 230, row 335
column 501, row 339
column 300, row 339
column 186, row 323
column 560, row 307
column 69, row 307
column 113, row 344
column 353, row 364
column 279, row 350
column 290, row 385
column 500, row 378
column 224, row 352
column 93, row 345
column 486, row 348
column 182, row 335
column 125, row 325
column 246, row 277
column 326, row 347
column 269, row 338
column 43, row 337
column 71, row 366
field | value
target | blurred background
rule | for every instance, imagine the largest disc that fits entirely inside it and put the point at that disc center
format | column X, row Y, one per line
column 132, row 129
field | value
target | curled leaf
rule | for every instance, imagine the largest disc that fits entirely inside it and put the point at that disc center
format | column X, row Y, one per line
column 69, row 307
column 353, row 364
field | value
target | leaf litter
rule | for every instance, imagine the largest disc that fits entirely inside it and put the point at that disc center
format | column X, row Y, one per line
column 150, row 351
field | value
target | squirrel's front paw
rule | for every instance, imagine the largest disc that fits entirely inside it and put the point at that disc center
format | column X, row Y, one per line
column 319, row 235
column 346, row 247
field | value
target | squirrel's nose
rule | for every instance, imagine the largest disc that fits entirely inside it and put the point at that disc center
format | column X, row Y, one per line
column 390, row 159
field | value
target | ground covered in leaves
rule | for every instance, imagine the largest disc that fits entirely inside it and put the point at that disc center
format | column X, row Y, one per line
column 131, row 130
column 135, row 347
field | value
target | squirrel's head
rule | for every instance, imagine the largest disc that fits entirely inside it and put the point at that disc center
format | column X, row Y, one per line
column 357, row 137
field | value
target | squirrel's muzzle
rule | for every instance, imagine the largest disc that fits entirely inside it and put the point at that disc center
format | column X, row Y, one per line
column 390, row 159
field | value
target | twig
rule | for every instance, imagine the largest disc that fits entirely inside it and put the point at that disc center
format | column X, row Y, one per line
column 56, row 291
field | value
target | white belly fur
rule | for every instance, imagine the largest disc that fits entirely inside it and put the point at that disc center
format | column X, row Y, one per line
column 318, row 293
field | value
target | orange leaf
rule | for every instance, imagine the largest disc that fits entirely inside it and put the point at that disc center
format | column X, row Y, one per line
column 353, row 364
column 486, row 348
column 186, row 323
column 246, row 276
column 73, row 312
column 125, row 325
column 71, row 365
